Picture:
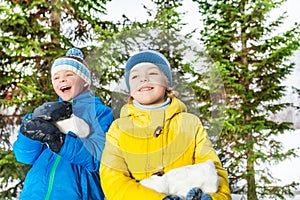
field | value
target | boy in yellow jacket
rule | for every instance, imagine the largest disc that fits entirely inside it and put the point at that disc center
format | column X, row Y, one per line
column 154, row 135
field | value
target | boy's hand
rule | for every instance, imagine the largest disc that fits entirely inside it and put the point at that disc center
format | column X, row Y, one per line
column 43, row 131
column 53, row 111
column 197, row 194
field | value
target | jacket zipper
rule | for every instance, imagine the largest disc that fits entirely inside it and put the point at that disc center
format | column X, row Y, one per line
column 52, row 177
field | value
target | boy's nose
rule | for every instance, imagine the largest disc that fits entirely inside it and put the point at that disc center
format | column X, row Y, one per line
column 144, row 78
column 62, row 79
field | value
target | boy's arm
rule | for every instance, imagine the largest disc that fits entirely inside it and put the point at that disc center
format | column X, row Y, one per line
column 87, row 151
column 105, row 117
column 205, row 151
column 82, row 151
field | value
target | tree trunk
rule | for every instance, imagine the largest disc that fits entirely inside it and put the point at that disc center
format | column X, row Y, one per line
column 251, row 192
column 55, row 21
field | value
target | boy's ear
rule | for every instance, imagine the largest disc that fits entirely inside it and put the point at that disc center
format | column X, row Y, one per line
column 86, row 84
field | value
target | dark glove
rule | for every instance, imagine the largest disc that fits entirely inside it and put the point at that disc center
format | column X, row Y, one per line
column 197, row 194
column 43, row 131
column 53, row 111
column 56, row 141
column 172, row 197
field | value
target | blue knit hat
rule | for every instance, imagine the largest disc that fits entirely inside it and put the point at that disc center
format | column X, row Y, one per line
column 149, row 56
column 73, row 61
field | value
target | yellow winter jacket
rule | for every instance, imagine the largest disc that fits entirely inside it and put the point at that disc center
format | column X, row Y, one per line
column 143, row 142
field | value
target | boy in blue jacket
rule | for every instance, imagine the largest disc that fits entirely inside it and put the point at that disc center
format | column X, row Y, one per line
column 64, row 140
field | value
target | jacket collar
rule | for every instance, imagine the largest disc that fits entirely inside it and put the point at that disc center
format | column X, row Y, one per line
column 174, row 108
column 80, row 97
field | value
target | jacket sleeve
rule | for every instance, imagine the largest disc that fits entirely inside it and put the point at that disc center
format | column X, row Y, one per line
column 205, row 151
column 87, row 151
column 105, row 117
column 115, row 179
column 25, row 149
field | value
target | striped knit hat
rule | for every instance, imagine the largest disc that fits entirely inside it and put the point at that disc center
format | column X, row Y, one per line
column 73, row 61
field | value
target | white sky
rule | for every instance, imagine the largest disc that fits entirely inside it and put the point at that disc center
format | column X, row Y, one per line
column 134, row 10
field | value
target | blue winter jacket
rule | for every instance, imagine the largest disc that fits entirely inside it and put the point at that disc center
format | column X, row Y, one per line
column 73, row 173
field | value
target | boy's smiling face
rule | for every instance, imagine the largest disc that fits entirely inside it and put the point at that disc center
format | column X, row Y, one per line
column 148, row 84
column 68, row 85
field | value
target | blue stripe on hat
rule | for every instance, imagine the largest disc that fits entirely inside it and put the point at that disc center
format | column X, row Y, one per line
column 64, row 62
column 69, row 62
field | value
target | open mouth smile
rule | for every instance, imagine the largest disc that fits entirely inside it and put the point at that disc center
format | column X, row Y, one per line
column 65, row 88
column 145, row 88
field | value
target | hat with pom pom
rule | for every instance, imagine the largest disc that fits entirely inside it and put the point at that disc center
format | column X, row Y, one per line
column 73, row 61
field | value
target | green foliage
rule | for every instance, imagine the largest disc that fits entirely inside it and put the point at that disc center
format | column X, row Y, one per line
column 12, row 174
column 253, row 62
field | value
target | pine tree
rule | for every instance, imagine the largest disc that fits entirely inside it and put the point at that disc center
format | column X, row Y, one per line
column 160, row 32
column 32, row 35
column 253, row 61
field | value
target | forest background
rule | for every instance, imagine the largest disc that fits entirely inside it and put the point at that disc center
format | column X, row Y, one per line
column 235, row 60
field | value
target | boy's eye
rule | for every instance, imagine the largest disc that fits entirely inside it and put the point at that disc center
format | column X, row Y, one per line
column 153, row 73
column 134, row 77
